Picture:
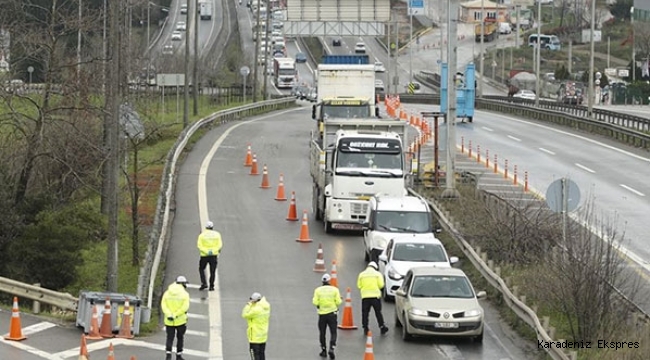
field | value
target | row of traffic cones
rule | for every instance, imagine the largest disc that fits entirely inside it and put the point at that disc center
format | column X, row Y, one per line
column 347, row 322
column 83, row 351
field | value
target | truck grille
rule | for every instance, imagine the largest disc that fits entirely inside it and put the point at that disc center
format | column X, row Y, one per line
column 359, row 210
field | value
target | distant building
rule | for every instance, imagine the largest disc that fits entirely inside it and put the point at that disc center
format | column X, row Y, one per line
column 470, row 12
column 642, row 10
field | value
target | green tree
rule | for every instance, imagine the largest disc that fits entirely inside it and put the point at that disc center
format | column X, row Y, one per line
column 561, row 73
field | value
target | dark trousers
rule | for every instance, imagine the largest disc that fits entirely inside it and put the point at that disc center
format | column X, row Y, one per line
column 325, row 321
column 203, row 263
column 257, row 351
column 179, row 333
column 374, row 303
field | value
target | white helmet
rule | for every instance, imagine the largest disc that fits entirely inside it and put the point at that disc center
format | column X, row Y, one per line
column 181, row 280
column 256, row 296
column 209, row 225
column 326, row 278
column 374, row 265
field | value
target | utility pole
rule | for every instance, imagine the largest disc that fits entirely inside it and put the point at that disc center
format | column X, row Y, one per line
column 411, row 43
column 452, row 30
column 538, row 52
column 442, row 40
column 389, row 66
column 111, row 134
column 266, row 58
column 395, row 78
column 186, row 86
column 257, row 49
column 590, row 101
column 481, row 61
column 195, row 74
column 570, row 56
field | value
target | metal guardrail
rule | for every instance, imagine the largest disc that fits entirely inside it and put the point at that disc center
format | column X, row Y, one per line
column 61, row 300
column 162, row 223
column 514, row 303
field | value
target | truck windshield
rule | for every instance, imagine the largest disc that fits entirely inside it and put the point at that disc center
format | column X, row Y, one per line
column 346, row 112
column 367, row 160
column 287, row 72
column 403, row 221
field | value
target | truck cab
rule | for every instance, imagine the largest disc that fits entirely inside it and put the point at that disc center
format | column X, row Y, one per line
column 390, row 216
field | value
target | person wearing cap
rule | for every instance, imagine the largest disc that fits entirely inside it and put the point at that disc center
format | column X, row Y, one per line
column 257, row 313
column 370, row 282
column 209, row 244
column 175, row 304
column 327, row 300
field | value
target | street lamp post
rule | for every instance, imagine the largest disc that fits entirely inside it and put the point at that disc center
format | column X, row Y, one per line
column 481, row 64
column 633, row 45
column 538, row 54
column 590, row 100
column 244, row 71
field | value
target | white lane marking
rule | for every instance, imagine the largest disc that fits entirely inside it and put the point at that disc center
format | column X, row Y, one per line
column 33, row 329
column 493, row 335
column 213, row 25
column 104, row 344
column 196, row 333
column 585, row 168
column 197, row 316
column 487, row 128
column 632, row 190
column 514, row 138
column 214, row 304
column 32, row 350
column 450, row 352
column 547, row 151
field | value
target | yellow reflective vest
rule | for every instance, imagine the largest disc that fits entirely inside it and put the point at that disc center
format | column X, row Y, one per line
column 209, row 243
column 370, row 282
column 175, row 304
column 327, row 299
column 257, row 315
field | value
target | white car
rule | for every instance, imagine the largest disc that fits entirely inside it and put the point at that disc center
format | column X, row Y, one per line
column 181, row 26
column 439, row 302
column 525, row 94
column 360, row 48
column 184, row 9
column 168, row 49
column 176, row 35
column 408, row 251
column 379, row 67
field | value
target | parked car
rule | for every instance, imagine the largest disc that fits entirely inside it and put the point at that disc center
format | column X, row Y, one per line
column 360, row 48
column 336, row 41
column 407, row 251
column 183, row 8
column 300, row 92
column 438, row 302
column 176, row 35
column 181, row 26
column 525, row 94
column 379, row 67
column 312, row 95
column 301, row 58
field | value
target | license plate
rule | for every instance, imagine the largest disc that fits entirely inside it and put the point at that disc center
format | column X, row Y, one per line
column 446, row 325
column 346, row 226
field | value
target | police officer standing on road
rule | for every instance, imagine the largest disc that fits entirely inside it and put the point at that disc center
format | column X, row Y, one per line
column 370, row 282
column 175, row 304
column 327, row 299
column 209, row 244
column 257, row 313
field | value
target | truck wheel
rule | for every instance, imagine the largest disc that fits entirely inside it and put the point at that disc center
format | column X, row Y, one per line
column 470, row 118
column 318, row 215
column 366, row 257
column 327, row 226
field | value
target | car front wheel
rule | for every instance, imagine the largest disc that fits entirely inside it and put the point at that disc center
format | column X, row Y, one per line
column 406, row 336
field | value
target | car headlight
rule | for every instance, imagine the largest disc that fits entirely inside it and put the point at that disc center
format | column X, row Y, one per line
column 394, row 275
column 473, row 313
column 419, row 312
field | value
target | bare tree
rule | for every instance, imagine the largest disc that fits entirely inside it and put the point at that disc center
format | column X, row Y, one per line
column 641, row 40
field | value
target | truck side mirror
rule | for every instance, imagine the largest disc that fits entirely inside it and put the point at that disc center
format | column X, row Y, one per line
column 313, row 112
column 377, row 112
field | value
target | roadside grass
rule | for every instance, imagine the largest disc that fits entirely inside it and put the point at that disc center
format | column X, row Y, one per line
column 527, row 280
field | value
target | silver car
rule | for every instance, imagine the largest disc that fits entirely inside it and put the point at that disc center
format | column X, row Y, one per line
column 438, row 302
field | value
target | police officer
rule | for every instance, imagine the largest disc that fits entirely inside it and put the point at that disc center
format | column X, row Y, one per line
column 175, row 304
column 209, row 244
column 327, row 299
column 257, row 313
column 370, row 282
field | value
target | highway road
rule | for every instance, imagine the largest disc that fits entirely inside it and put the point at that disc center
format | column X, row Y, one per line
column 636, row 110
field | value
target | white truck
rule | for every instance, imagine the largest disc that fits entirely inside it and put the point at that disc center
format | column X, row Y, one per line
column 389, row 216
column 353, row 160
column 284, row 73
column 205, row 10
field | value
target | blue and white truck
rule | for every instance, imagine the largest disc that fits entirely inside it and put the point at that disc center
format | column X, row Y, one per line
column 465, row 92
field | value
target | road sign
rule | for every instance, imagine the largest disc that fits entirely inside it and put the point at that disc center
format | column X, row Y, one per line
column 244, row 71
column 411, row 88
column 563, row 195
column 416, row 7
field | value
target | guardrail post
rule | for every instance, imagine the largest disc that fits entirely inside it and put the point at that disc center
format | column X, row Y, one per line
column 495, row 164
column 36, row 307
column 514, row 174
column 478, row 153
column 515, row 291
column 545, row 322
column 551, row 331
column 462, row 144
column 469, row 148
column 487, row 158
column 525, row 181
column 573, row 355
column 484, row 256
column 490, row 264
column 522, row 298
column 497, row 271
column 505, row 169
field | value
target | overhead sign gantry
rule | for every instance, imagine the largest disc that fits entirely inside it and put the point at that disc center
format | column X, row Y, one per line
column 337, row 17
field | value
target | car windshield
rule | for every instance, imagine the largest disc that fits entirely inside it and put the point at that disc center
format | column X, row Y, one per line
column 415, row 252
column 403, row 221
column 438, row 286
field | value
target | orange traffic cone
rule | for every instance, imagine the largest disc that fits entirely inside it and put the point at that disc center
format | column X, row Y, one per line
column 111, row 352
column 280, row 196
column 348, row 321
column 93, row 333
column 83, row 350
column 249, row 157
column 125, row 329
column 106, row 328
column 293, row 213
column 304, row 229
column 319, row 265
column 254, row 166
column 15, row 330
column 335, row 276
column 369, row 355
column 265, row 178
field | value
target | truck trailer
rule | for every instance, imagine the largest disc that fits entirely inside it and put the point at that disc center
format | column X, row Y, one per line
column 205, row 10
